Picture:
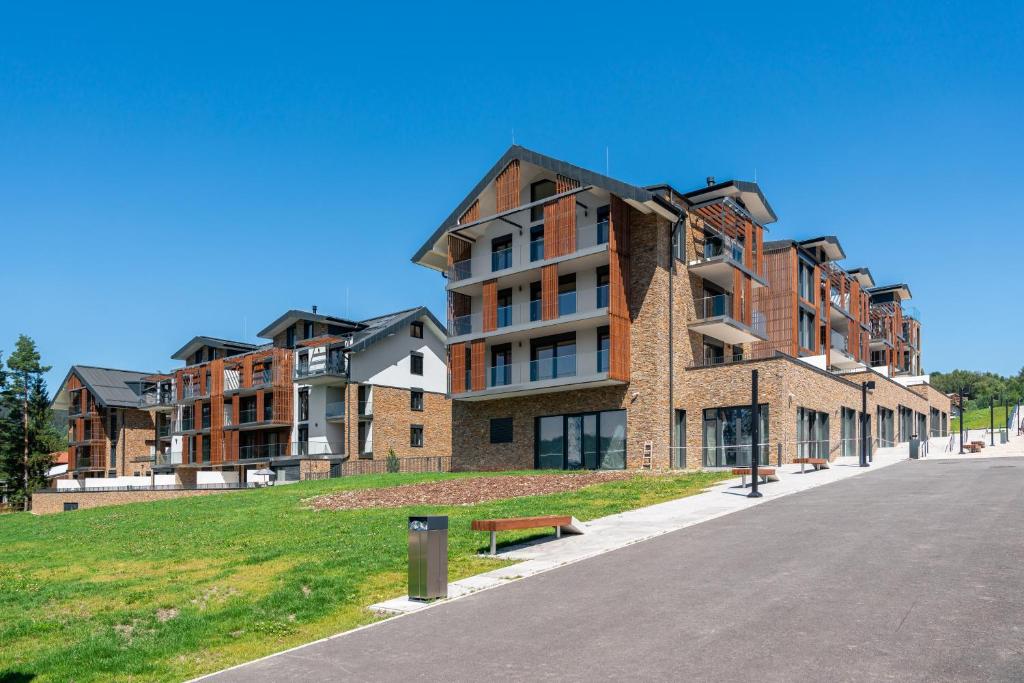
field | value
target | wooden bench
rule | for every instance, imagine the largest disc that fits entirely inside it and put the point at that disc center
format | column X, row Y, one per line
column 817, row 463
column 766, row 474
column 979, row 444
column 973, row 447
column 561, row 523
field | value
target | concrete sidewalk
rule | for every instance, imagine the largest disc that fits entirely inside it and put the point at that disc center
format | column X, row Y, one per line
column 617, row 531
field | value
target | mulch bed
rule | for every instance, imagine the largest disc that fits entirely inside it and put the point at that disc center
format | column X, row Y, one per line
column 468, row 491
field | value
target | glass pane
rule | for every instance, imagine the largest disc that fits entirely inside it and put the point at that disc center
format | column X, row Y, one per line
column 613, row 440
column 711, row 452
column 590, row 442
column 574, row 443
column 550, row 442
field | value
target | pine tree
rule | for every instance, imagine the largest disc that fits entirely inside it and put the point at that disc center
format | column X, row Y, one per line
column 27, row 433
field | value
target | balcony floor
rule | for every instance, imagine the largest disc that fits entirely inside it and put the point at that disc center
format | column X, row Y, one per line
column 726, row 329
column 539, row 387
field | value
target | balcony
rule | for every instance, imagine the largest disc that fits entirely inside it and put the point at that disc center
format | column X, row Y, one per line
column 192, row 392
column 90, row 463
column 156, row 400
column 713, row 316
column 722, row 256
column 322, row 371
column 365, row 409
column 250, row 418
column 335, row 410
column 840, row 355
column 168, row 459
column 525, row 254
column 546, row 374
column 572, row 306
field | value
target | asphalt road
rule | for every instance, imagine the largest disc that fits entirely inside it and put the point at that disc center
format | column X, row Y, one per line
column 915, row 572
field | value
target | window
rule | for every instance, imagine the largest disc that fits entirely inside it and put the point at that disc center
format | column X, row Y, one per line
column 501, row 430
column 501, row 252
column 603, row 346
column 504, row 308
column 501, row 365
column 416, row 363
column 68, row 507
column 205, row 415
column 812, row 433
column 416, row 399
column 714, row 354
column 537, row 242
column 289, row 338
column 602, row 287
column 535, row 301
column 727, row 436
column 416, row 436
column 553, row 357
column 416, row 330
column 805, row 282
column 567, row 294
column 806, row 330
column 303, row 406
column 581, row 441
column 307, row 329
column 602, row 224
column 542, row 189
column 679, row 450
column 303, row 365
column 302, row 447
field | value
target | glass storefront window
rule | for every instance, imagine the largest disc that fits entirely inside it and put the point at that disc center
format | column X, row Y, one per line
column 582, row 441
column 727, row 434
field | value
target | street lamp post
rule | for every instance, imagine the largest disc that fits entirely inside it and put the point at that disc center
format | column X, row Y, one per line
column 864, row 445
column 755, row 436
column 992, row 420
column 960, row 407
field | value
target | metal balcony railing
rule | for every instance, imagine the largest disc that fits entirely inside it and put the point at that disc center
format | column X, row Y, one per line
column 523, row 252
column 246, row 416
column 721, row 305
column 717, row 246
column 589, row 300
column 156, row 399
column 337, row 367
column 335, row 409
column 553, row 368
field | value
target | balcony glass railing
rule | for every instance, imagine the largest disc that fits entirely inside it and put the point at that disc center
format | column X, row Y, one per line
column 840, row 343
column 567, row 303
column 335, row 409
column 366, row 407
column 247, row 416
column 717, row 246
column 261, row 451
column 154, row 399
column 504, row 316
column 566, row 366
column 330, row 367
column 602, row 296
column 501, row 259
column 187, row 424
column 714, row 306
column 536, row 309
column 525, row 251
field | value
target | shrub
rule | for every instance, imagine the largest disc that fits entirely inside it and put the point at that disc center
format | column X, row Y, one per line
column 393, row 463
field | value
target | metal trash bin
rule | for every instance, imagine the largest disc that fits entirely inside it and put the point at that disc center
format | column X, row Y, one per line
column 428, row 557
column 915, row 447
column 1004, row 436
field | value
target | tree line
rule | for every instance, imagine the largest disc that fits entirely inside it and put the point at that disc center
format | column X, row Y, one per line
column 981, row 387
column 28, row 434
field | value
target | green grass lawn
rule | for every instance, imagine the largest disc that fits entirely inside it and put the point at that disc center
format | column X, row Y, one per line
column 979, row 419
column 169, row 590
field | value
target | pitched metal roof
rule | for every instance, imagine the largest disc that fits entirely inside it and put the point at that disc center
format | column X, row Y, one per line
column 383, row 325
column 110, row 387
column 584, row 176
column 196, row 342
column 294, row 315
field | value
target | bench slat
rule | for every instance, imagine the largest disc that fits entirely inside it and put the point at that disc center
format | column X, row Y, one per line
column 520, row 523
column 761, row 471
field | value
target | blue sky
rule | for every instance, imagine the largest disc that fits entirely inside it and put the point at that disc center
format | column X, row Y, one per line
column 198, row 169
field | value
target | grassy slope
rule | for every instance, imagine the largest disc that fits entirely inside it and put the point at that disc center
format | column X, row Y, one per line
column 979, row 419
column 87, row 595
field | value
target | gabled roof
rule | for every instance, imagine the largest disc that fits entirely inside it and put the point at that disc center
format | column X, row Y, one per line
column 293, row 316
column 622, row 189
column 746, row 193
column 900, row 290
column 111, row 388
column 384, row 325
column 197, row 342
column 827, row 246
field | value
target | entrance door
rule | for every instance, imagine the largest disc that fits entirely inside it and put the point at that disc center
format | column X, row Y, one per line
column 581, row 442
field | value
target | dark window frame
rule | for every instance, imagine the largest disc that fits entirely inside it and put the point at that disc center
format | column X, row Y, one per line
column 414, row 405
column 415, row 430
column 414, row 367
column 502, row 430
column 416, row 329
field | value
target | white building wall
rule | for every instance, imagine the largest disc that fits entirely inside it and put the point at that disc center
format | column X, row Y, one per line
column 387, row 361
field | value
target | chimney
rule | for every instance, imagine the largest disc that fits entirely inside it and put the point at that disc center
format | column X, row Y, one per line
column 314, row 309
column 710, row 180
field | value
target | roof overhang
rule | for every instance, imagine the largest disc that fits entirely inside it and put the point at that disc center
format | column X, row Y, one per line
column 293, row 316
column 199, row 342
column 902, row 291
column 745, row 193
column 826, row 248
column 863, row 276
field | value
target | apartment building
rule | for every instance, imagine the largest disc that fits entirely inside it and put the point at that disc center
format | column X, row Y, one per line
column 321, row 391
column 598, row 324
column 895, row 331
column 107, row 432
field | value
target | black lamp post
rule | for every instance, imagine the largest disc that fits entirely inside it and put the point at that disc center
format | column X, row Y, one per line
column 755, row 436
column 961, row 409
column 992, row 420
column 864, row 445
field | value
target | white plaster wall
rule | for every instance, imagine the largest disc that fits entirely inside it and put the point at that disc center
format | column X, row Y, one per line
column 216, row 477
column 387, row 361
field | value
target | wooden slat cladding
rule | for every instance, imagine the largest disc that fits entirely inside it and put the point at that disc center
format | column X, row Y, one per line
column 490, row 305
column 458, row 250
column 478, row 375
column 778, row 303
column 619, row 319
column 217, row 410
column 459, row 305
column 560, row 221
column 471, row 214
column 549, row 292
column 506, row 187
column 457, row 367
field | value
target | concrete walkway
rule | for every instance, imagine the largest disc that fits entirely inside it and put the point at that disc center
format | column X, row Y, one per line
column 617, row 531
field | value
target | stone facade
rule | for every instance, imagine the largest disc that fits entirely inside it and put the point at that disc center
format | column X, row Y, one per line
column 393, row 418
column 137, row 442
column 314, row 469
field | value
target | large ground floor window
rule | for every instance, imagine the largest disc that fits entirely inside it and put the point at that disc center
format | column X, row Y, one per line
column 593, row 441
column 811, row 433
column 727, row 433
column 886, row 430
column 848, row 435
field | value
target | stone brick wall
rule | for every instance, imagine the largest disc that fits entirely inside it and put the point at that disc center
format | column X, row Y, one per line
column 393, row 417
column 935, row 398
column 314, row 469
column 137, row 439
column 49, row 503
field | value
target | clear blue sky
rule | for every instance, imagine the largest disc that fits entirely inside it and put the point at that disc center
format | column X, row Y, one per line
column 200, row 168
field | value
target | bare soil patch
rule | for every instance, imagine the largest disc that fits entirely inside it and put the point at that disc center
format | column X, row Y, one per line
column 468, row 491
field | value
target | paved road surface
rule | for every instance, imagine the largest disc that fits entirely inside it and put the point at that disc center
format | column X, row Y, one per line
column 911, row 573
